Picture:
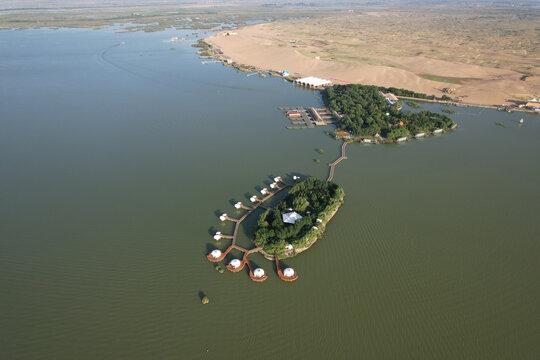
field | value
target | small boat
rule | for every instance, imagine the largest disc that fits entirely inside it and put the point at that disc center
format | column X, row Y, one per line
column 521, row 121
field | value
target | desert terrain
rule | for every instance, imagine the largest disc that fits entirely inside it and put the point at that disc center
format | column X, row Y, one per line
column 482, row 56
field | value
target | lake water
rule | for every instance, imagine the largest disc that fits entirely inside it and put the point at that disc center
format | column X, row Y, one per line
column 115, row 159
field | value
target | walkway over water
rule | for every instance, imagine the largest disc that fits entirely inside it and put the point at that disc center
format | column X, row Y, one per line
column 258, row 203
column 337, row 161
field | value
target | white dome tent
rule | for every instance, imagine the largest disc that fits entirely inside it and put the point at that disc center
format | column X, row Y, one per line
column 258, row 272
column 288, row 272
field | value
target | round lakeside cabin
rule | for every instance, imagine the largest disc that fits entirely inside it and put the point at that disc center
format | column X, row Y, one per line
column 223, row 217
column 258, row 275
column 215, row 256
column 238, row 205
column 217, row 236
column 288, row 274
column 235, row 265
column 253, row 199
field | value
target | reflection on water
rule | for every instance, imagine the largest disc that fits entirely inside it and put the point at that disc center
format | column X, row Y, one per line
column 116, row 158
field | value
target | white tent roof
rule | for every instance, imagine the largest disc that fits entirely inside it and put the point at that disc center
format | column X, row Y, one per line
column 288, row 272
column 313, row 81
column 289, row 247
column 215, row 253
column 291, row 217
column 258, row 272
column 235, row 263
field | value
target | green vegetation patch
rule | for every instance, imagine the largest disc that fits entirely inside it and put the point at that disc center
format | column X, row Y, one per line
column 413, row 104
column 367, row 113
column 447, row 79
column 312, row 199
column 448, row 111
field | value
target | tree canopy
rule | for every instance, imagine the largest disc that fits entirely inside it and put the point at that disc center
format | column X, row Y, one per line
column 313, row 199
column 367, row 113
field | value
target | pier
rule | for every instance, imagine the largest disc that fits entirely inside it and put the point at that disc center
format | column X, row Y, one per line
column 307, row 118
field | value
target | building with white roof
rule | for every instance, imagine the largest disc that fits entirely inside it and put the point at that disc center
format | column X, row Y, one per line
column 288, row 272
column 291, row 217
column 312, row 81
column 258, row 272
column 215, row 253
column 235, row 263
column 238, row 205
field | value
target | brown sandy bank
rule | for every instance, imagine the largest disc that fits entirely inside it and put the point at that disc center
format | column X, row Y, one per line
column 266, row 47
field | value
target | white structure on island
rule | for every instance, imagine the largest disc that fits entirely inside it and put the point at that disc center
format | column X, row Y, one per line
column 264, row 191
column 288, row 272
column 277, row 179
column 253, row 198
column 235, row 263
column 312, row 81
column 291, row 217
column 296, row 178
column 217, row 236
column 215, row 254
column 223, row 217
column 238, row 205
column 258, row 272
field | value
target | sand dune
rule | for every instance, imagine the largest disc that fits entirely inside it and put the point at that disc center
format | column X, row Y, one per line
column 262, row 46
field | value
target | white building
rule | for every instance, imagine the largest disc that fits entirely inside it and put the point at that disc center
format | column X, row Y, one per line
column 258, row 272
column 291, row 217
column 312, row 81
column 288, row 272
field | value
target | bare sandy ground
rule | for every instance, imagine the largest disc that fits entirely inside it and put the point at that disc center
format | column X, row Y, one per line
column 255, row 45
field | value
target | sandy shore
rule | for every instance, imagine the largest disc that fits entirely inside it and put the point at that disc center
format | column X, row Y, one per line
column 254, row 45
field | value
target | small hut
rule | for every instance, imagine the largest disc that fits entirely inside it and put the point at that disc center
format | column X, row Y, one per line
column 235, row 265
column 238, row 205
column 288, row 272
column 217, row 236
column 223, row 217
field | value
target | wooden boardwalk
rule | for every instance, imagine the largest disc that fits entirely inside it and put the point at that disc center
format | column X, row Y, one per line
column 337, row 161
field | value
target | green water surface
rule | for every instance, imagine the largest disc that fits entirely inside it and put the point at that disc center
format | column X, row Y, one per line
column 115, row 159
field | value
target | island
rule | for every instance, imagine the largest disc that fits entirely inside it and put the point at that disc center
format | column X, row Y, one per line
column 367, row 114
column 283, row 231
column 299, row 219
